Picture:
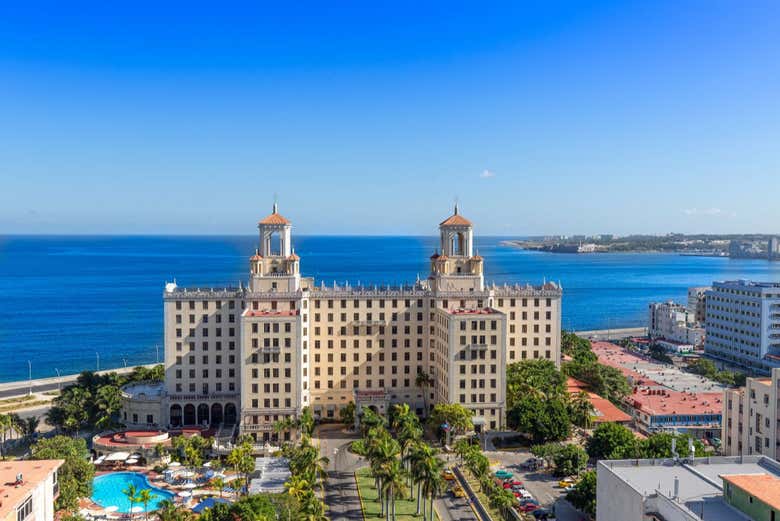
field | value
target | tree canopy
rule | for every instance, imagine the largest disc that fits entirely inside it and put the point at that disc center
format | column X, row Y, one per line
column 537, row 376
column 542, row 419
column 93, row 400
column 454, row 414
column 583, row 496
column 612, row 441
column 75, row 475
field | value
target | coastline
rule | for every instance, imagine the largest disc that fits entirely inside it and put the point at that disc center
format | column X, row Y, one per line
column 22, row 387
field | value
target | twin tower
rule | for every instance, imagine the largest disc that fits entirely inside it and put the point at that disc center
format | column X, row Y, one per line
column 454, row 267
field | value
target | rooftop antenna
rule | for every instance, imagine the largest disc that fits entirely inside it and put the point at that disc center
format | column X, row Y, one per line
column 674, row 450
column 456, row 205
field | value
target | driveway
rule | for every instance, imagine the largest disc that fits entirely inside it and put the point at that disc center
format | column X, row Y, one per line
column 340, row 490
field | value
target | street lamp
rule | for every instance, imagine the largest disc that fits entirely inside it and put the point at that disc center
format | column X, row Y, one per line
column 125, row 361
column 59, row 382
column 157, row 353
column 29, row 376
column 97, row 355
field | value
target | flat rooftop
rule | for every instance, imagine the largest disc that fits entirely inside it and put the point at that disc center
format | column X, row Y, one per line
column 662, row 389
column 700, row 482
column 141, row 389
column 33, row 472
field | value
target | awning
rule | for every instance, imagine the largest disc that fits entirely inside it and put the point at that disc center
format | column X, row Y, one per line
column 118, row 456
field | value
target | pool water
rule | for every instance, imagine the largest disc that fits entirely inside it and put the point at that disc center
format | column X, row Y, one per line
column 107, row 490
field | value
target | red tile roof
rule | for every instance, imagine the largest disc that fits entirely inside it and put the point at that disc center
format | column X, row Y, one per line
column 606, row 411
column 455, row 220
column 274, row 218
column 764, row 487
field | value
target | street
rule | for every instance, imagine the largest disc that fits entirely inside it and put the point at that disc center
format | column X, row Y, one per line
column 341, row 494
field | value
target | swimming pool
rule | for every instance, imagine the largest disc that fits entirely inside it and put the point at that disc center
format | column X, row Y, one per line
column 107, row 491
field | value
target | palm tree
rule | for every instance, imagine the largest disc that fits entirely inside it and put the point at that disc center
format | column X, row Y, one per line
column 313, row 509
column 6, row 424
column 219, row 483
column 145, row 496
column 132, row 495
column 502, row 500
column 393, row 485
column 31, row 425
column 423, row 381
column 297, row 487
column 419, row 457
column 432, row 483
column 168, row 511
column 581, row 410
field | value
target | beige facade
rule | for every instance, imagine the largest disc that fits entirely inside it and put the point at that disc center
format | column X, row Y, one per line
column 750, row 418
column 265, row 351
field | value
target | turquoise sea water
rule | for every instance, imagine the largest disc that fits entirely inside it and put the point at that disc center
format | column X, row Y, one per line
column 108, row 490
column 64, row 299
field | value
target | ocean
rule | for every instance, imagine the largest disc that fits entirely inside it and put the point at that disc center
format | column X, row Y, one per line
column 67, row 301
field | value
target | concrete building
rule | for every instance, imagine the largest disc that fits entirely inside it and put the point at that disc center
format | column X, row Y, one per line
column 28, row 489
column 697, row 304
column 258, row 353
column 674, row 323
column 711, row 489
column 750, row 418
column 743, row 324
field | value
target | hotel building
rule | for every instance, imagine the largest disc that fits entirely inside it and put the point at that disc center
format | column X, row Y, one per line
column 743, row 324
column 261, row 352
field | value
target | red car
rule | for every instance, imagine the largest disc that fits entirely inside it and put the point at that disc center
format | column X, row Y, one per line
column 507, row 485
column 529, row 507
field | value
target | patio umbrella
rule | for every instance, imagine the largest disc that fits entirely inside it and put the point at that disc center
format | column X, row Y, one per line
column 187, row 474
column 135, row 510
column 112, row 508
column 207, row 464
column 189, row 485
column 131, row 461
column 174, row 464
column 184, row 493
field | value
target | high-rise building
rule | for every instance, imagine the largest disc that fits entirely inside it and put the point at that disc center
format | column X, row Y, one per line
column 261, row 352
column 673, row 322
column 743, row 324
column 750, row 418
column 697, row 302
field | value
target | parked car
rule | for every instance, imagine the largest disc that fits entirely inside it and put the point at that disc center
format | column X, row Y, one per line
column 541, row 513
column 503, row 474
column 448, row 475
column 529, row 507
column 458, row 491
column 566, row 482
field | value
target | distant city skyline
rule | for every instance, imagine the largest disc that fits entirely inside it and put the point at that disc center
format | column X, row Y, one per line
column 573, row 118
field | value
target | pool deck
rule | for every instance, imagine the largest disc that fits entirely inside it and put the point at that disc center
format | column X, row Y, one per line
column 156, row 480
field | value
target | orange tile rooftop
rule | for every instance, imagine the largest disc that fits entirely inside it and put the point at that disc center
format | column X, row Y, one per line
column 605, row 410
column 762, row 486
column 651, row 397
column 33, row 473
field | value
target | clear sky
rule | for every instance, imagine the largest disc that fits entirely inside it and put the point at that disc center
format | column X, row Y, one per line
column 372, row 117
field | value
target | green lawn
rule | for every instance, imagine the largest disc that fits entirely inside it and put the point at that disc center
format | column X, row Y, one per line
column 404, row 508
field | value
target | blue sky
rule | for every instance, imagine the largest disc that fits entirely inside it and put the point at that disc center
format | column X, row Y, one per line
column 575, row 117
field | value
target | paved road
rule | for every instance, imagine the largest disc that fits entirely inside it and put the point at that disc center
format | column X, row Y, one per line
column 49, row 384
column 340, row 491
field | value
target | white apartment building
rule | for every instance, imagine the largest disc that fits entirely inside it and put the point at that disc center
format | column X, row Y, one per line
column 674, row 323
column 260, row 352
column 743, row 324
column 28, row 489
column 750, row 418
column 697, row 304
